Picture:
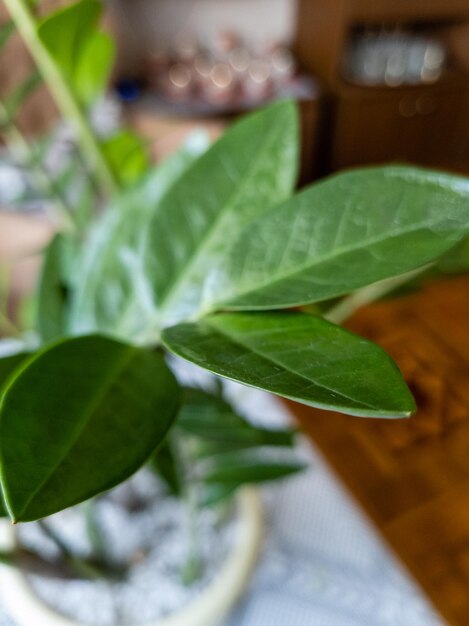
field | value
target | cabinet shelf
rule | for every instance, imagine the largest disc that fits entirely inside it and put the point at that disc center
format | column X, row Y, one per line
column 425, row 123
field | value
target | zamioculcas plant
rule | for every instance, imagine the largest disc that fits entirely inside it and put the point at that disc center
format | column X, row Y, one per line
column 215, row 266
column 213, row 258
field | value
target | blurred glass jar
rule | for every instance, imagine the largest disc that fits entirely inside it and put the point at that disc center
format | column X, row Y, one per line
column 394, row 58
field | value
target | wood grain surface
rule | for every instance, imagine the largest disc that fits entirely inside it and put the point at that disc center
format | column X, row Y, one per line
column 412, row 476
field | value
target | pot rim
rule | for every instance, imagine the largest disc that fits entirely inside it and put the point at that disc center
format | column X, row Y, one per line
column 207, row 609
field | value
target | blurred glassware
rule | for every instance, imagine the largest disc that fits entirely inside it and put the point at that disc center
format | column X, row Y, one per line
column 259, row 83
column 222, row 85
column 179, row 81
column 393, row 58
column 283, row 62
column 203, row 64
column 239, row 59
column 222, row 72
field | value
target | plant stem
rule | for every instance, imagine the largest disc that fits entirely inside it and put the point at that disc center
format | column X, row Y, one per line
column 346, row 307
column 82, row 567
column 7, row 558
column 26, row 24
column 93, row 529
column 192, row 568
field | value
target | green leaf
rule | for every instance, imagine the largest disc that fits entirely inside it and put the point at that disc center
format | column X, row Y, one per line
column 301, row 357
column 94, row 67
column 229, row 473
column 84, row 54
column 113, row 289
column 213, row 494
column 8, row 365
column 245, row 439
column 165, row 464
column 52, row 300
column 66, row 32
column 219, row 428
column 156, row 274
column 341, row 234
column 242, row 472
column 456, row 260
column 127, row 156
column 203, row 414
column 253, row 166
column 82, row 417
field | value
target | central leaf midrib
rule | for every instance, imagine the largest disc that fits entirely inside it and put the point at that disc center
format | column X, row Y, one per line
column 206, row 240
column 322, row 260
column 235, row 339
column 93, row 404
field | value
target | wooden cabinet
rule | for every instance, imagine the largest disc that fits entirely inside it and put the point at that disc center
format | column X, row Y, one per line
column 411, row 124
column 426, row 124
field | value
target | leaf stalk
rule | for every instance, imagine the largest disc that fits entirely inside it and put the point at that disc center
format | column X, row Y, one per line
column 347, row 307
column 26, row 23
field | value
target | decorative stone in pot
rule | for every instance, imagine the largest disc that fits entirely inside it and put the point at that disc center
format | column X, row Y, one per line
column 234, row 547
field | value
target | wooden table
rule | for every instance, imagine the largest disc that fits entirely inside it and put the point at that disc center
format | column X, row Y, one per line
column 412, row 476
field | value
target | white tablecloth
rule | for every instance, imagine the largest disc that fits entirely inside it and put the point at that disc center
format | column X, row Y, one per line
column 323, row 563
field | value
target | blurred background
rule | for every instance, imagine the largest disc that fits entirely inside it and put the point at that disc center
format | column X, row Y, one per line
column 377, row 81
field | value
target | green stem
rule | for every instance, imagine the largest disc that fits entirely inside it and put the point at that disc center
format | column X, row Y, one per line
column 8, row 558
column 192, row 568
column 26, row 24
column 82, row 567
column 367, row 295
column 93, row 529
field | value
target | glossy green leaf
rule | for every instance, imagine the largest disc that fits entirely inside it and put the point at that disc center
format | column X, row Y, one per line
column 242, row 472
column 253, row 166
column 218, row 429
column 127, row 156
column 66, row 32
column 84, row 55
column 157, row 271
column 456, row 260
column 230, row 472
column 245, row 439
column 346, row 232
column 298, row 356
column 94, row 67
column 113, row 293
column 217, row 493
column 82, row 417
column 205, row 415
column 8, row 365
column 52, row 297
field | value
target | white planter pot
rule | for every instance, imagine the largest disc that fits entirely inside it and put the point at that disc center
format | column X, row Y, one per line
column 208, row 609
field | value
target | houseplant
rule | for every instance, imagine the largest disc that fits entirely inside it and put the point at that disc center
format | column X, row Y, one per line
column 212, row 258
